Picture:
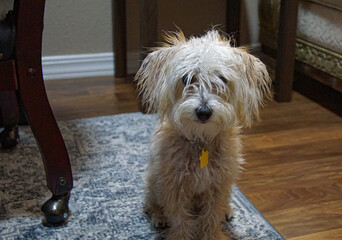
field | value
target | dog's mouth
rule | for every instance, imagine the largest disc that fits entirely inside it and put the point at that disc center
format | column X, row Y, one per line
column 201, row 121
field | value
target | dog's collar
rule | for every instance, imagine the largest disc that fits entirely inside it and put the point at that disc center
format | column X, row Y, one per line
column 204, row 153
column 197, row 143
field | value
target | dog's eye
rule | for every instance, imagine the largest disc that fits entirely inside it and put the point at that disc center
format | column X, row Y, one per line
column 185, row 79
column 223, row 79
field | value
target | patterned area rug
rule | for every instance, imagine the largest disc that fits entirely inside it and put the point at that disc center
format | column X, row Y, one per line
column 109, row 156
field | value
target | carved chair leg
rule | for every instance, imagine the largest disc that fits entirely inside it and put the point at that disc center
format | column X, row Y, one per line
column 31, row 89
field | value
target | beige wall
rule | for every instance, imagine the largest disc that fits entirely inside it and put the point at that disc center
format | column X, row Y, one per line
column 5, row 5
column 85, row 26
column 77, row 26
column 74, row 26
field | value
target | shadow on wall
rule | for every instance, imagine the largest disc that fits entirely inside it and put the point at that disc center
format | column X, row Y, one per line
column 5, row 6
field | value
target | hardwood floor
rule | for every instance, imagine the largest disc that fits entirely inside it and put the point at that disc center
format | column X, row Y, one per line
column 293, row 173
column 294, row 169
column 89, row 97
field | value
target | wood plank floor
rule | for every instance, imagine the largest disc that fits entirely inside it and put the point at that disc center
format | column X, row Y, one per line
column 89, row 97
column 293, row 173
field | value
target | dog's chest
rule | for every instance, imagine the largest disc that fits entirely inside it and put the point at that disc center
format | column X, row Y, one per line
column 202, row 180
column 191, row 173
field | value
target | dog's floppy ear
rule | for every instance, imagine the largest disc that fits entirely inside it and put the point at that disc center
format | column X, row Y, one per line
column 254, row 87
column 151, row 81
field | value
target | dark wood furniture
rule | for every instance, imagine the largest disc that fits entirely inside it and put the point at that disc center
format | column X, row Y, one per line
column 317, row 68
column 286, row 51
column 149, row 36
column 21, row 81
column 149, row 28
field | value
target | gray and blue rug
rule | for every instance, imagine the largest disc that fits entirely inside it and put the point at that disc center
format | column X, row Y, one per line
column 109, row 156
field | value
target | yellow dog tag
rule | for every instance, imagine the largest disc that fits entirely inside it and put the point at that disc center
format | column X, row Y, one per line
column 204, row 158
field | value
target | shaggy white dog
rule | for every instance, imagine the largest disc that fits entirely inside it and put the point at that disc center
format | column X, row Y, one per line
column 204, row 90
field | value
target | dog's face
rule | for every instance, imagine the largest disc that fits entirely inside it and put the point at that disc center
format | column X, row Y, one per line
column 203, row 85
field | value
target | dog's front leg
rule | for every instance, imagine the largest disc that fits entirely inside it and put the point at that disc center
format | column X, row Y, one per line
column 181, row 219
column 212, row 214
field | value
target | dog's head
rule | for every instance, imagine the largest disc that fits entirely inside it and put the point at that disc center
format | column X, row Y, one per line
column 203, row 85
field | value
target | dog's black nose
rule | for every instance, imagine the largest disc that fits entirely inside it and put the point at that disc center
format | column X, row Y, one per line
column 203, row 113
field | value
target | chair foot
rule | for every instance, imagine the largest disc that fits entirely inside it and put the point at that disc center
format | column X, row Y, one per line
column 9, row 137
column 56, row 210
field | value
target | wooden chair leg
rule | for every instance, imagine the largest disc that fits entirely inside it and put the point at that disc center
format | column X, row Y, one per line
column 286, row 50
column 148, row 31
column 31, row 89
column 120, row 49
column 233, row 19
column 148, row 25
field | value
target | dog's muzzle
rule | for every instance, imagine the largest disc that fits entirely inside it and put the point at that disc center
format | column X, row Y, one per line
column 203, row 113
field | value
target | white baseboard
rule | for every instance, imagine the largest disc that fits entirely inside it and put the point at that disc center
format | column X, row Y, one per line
column 89, row 65
column 84, row 65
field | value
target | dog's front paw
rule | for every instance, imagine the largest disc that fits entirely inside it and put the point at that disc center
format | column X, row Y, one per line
column 174, row 234
column 218, row 235
column 230, row 215
column 224, row 237
column 159, row 221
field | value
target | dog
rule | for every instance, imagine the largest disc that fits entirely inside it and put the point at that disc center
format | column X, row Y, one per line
column 204, row 91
